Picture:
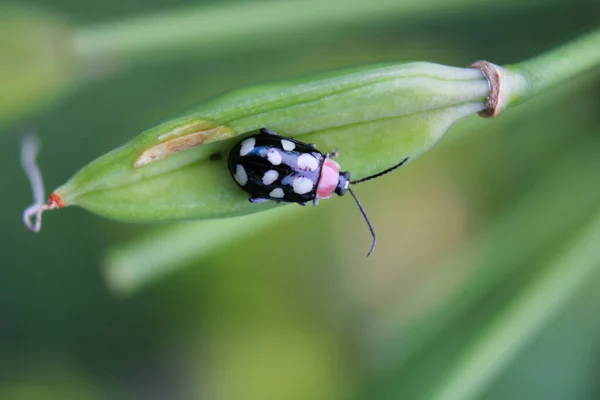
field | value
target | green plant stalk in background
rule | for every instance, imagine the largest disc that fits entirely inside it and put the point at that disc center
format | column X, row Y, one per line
column 133, row 265
column 201, row 29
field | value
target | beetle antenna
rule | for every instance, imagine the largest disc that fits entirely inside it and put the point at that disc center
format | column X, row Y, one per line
column 401, row 163
column 362, row 210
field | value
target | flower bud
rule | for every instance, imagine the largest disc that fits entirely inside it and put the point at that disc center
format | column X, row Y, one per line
column 375, row 117
column 36, row 61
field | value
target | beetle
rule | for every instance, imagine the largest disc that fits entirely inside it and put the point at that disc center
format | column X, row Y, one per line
column 270, row 167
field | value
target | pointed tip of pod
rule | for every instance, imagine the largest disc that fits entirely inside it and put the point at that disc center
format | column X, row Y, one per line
column 55, row 201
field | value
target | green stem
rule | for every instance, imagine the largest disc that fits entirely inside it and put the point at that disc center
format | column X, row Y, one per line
column 524, row 318
column 558, row 65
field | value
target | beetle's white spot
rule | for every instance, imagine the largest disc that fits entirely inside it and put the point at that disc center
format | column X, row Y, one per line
column 276, row 193
column 287, row 145
column 247, row 146
column 302, row 185
column 269, row 177
column 308, row 162
column 274, row 156
column 240, row 175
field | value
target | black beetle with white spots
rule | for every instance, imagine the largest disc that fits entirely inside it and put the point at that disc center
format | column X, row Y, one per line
column 271, row 167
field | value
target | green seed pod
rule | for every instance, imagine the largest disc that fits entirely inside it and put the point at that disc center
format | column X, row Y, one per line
column 374, row 116
column 36, row 62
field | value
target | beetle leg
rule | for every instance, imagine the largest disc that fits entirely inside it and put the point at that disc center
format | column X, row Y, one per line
column 257, row 199
column 303, row 203
column 315, row 201
column 266, row 131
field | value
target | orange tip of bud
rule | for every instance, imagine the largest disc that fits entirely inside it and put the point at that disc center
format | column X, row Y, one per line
column 55, row 201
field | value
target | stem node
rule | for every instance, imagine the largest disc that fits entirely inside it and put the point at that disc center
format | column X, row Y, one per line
column 495, row 77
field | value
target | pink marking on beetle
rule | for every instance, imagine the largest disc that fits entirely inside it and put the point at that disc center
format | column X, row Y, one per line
column 330, row 176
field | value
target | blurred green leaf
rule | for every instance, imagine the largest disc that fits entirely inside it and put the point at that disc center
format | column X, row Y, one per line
column 231, row 26
column 36, row 60
column 521, row 320
column 49, row 382
column 133, row 265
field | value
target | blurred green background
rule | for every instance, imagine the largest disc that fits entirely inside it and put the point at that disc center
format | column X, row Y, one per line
column 484, row 284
